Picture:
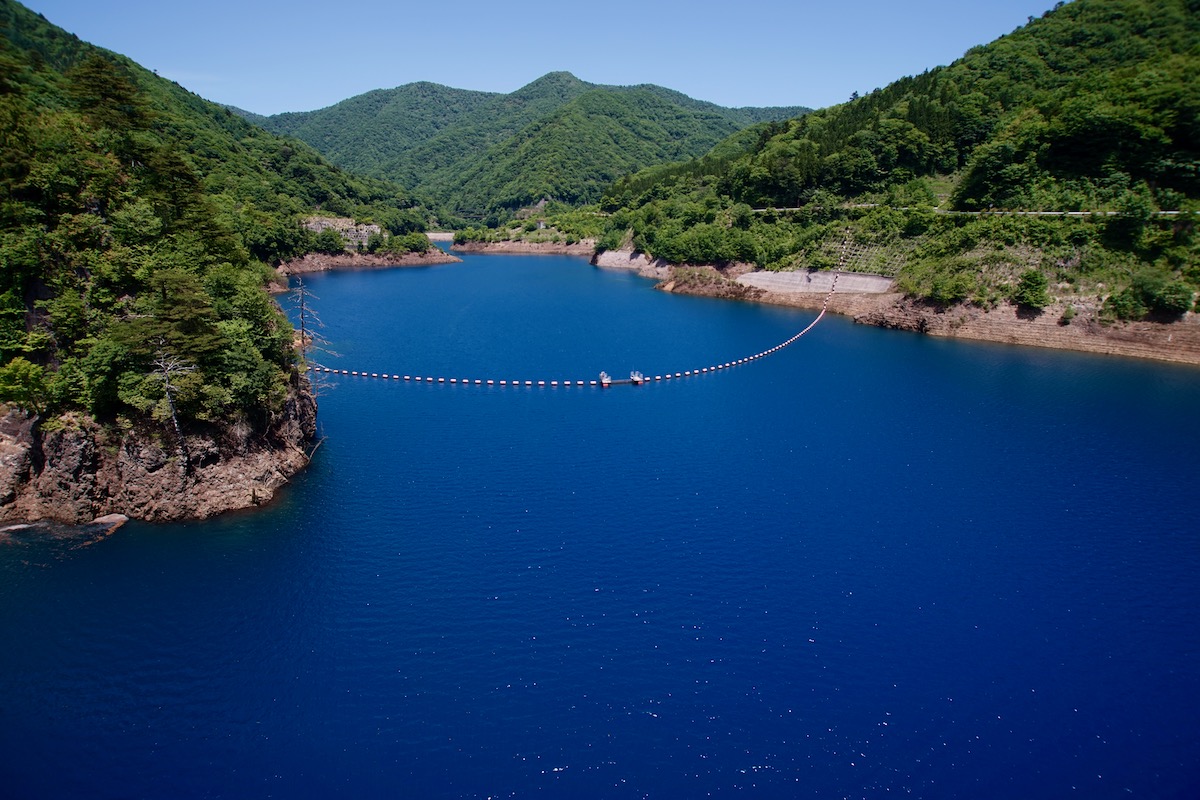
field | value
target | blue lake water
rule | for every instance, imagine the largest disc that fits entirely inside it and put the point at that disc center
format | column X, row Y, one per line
column 872, row 564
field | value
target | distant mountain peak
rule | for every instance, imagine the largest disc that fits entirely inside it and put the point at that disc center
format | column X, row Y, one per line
column 556, row 136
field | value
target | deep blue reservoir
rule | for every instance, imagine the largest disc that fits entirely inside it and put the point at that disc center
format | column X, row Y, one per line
column 871, row 564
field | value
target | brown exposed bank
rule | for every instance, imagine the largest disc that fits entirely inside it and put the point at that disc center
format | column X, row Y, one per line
column 76, row 470
column 584, row 247
column 870, row 300
column 323, row 262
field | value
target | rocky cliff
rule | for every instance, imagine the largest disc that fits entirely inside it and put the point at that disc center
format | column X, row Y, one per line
column 73, row 469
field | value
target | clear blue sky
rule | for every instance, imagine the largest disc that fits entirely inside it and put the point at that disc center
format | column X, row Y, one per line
column 278, row 56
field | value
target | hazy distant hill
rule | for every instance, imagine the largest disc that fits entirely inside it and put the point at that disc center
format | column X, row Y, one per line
column 558, row 136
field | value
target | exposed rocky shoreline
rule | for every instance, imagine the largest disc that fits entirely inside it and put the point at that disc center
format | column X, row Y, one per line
column 1177, row 342
column 584, row 247
column 323, row 262
column 77, row 471
column 872, row 303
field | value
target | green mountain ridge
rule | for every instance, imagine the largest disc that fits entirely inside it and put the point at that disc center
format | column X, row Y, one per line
column 1093, row 106
column 441, row 141
column 574, row 153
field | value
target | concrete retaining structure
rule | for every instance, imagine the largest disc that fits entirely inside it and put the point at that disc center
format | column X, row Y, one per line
column 815, row 282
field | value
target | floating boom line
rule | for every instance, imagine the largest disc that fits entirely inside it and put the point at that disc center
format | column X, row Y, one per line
column 635, row 379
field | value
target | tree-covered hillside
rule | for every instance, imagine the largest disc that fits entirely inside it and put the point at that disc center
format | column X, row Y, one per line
column 574, row 153
column 137, row 221
column 1073, row 111
column 444, row 141
column 371, row 133
column 1094, row 106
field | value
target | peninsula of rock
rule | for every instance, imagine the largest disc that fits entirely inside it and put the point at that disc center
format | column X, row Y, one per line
column 77, row 471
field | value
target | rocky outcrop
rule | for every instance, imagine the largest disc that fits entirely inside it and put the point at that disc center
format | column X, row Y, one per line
column 72, row 469
column 352, row 233
column 323, row 262
column 708, row 281
column 633, row 260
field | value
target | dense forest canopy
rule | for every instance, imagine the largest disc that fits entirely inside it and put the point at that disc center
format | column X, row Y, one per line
column 1094, row 106
column 558, row 138
column 136, row 225
column 137, row 220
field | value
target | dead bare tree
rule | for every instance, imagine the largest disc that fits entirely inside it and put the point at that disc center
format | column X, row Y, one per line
column 168, row 366
column 309, row 324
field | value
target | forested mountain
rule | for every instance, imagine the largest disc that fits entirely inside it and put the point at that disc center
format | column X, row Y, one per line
column 473, row 150
column 1094, row 106
column 373, row 133
column 137, row 221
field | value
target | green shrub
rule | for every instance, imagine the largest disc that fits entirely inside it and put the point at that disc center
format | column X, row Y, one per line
column 1031, row 290
column 1126, row 305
